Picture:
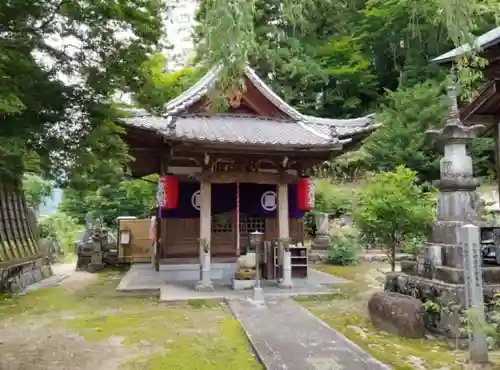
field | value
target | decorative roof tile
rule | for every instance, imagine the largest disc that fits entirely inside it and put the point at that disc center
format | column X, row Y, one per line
column 245, row 129
column 484, row 41
column 298, row 131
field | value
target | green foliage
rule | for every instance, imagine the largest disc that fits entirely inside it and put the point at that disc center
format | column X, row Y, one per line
column 344, row 249
column 392, row 209
column 61, row 227
column 406, row 115
column 157, row 87
column 61, row 64
column 127, row 198
column 335, row 200
column 36, row 190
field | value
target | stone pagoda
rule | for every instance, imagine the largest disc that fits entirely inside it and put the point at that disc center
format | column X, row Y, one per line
column 437, row 274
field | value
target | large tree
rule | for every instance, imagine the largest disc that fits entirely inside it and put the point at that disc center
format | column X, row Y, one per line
column 61, row 62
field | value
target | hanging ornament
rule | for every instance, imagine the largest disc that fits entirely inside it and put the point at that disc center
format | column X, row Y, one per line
column 305, row 194
column 168, row 192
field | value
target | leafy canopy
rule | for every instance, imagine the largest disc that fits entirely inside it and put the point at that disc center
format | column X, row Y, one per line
column 127, row 198
column 391, row 209
column 36, row 190
column 61, row 62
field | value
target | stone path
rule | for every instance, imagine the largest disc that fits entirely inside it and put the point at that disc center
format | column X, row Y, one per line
column 288, row 337
column 60, row 272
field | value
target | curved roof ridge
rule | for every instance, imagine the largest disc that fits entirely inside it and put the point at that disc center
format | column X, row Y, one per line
column 484, row 41
column 196, row 92
column 358, row 121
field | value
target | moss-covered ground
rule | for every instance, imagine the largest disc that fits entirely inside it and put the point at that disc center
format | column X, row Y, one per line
column 126, row 332
column 346, row 312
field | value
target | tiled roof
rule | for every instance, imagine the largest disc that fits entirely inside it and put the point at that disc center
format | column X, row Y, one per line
column 299, row 130
column 246, row 129
column 484, row 41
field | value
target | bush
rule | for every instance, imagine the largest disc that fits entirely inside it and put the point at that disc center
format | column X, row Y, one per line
column 335, row 200
column 344, row 249
column 61, row 227
column 392, row 209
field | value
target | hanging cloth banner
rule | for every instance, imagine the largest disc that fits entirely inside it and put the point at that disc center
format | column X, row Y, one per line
column 255, row 200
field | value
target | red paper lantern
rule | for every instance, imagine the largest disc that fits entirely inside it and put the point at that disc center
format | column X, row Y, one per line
column 305, row 194
column 168, row 192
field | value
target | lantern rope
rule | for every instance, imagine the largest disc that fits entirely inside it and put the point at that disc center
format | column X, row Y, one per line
column 237, row 219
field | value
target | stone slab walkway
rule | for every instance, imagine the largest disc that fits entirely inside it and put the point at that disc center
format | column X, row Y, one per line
column 286, row 336
column 60, row 272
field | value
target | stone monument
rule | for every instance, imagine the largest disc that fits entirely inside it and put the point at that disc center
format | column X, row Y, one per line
column 473, row 293
column 322, row 239
column 438, row 273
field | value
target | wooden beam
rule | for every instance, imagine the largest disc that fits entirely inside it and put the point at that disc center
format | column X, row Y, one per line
column 496, row 138
column 482, row 119
column 488, row 91
column 230, row 177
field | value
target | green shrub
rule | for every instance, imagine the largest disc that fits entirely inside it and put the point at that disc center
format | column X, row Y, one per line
column 335, row 200
column 63, row 228
column 392, row 209
column 344, row 249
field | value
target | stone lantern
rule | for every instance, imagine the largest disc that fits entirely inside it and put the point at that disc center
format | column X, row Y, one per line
column 255, row 239
column 321, row 240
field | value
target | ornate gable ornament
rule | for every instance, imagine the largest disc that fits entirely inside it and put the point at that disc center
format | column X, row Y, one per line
column 455, row 131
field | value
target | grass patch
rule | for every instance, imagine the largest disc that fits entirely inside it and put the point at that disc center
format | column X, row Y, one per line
column 196, row 335
column 399, row 353
column 203, row 303
column 354, row 273
column 226, row 351
column 347, row 314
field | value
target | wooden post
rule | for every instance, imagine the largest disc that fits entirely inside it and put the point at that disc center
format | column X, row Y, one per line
column 283, row 221
column 237, row 220
column 496, row 138
column 205, row 283
column 284, row 233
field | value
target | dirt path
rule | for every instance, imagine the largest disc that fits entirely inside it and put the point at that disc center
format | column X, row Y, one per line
column 39, row 343
column 83, row 324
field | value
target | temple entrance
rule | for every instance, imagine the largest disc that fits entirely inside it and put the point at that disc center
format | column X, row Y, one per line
column 251, row 206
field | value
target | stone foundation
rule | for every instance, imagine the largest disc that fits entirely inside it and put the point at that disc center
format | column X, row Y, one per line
column 443, row 317
column 15, row 279
column 243, row 284
column 450, row 275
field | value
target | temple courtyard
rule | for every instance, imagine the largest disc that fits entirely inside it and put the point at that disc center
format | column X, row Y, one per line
column 84, row 323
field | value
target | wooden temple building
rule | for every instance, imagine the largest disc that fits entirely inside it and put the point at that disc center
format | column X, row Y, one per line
column 485, row 108
column 237, row 172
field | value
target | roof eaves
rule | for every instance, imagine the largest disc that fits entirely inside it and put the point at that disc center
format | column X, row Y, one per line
column 482, row 42
column 194, row 93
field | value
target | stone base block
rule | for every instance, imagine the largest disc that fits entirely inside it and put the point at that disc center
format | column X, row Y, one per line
column 203, row 286
column 317, row 256
column 282, row 284
column 95, row 267
column 321, row 242
column 243, row 284
column 450, row 275
column 444, row 316
column 19, row 278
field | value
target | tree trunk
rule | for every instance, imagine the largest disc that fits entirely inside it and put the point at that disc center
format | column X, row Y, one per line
column 393, row 257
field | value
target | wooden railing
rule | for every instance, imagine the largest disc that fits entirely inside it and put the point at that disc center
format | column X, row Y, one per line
column 18, row 243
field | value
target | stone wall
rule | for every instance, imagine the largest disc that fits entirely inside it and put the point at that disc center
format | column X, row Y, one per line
column 444, row 302
column 15, row 279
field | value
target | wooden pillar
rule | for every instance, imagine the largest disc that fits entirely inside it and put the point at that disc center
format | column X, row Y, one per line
column 205, row 211
column 496, row 138
column 161, row 224
column 284, row 233
column 205, row 283
column 283, row 217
